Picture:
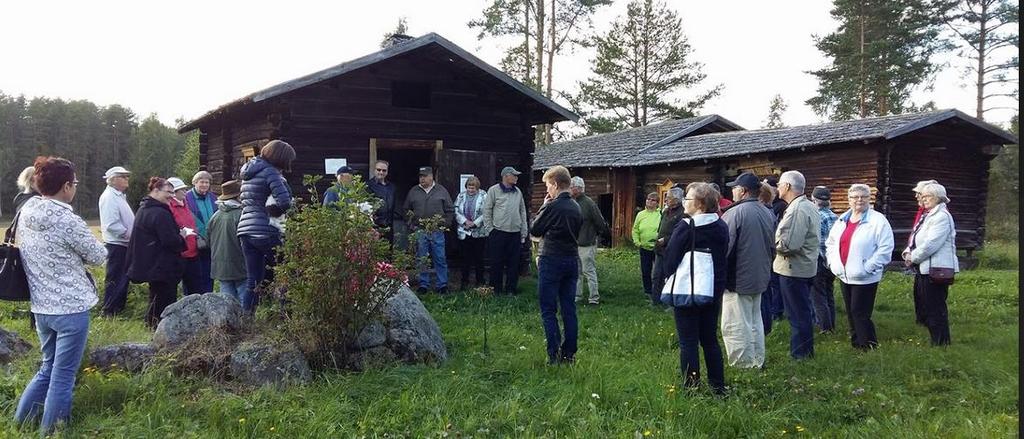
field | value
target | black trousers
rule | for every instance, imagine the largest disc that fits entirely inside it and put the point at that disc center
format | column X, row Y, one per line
column 919, row 302
column 860, row 302
column 646, row 268
column 699, row 326
column 823, row 297
column 161, row 295
column 473, row 259
column 503, row 249
column 657, row 280
column 936, row 314
column 115, row 285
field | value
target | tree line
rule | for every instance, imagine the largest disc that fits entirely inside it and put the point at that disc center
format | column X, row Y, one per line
column 882, row 51
column 95, row 138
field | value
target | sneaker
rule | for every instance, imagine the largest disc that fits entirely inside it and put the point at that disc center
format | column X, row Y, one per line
column 593, row 302
column 442, row 290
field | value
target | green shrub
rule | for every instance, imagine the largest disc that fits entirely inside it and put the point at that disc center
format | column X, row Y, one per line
column 335, row 274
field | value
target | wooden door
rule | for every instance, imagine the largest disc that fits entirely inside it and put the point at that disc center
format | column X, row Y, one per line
column 453, row 163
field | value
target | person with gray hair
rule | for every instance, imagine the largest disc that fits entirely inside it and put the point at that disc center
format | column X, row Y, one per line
column 796, row 255
column 200, row 202
column 859, row 247
column 116, row 223
column 670, row 216
column 933, row 245
column 823, row 293
column 918, row 289
column 593, row 225
column 25, row 188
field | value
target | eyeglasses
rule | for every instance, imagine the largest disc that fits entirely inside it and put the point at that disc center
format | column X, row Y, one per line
column 74, row 183
column 860, row 197
column 382, row 170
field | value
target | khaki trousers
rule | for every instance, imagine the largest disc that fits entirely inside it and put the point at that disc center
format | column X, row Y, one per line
column 742, row 329
column 588, row 271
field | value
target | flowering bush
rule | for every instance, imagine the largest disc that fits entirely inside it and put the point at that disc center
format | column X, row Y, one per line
column 336, row 273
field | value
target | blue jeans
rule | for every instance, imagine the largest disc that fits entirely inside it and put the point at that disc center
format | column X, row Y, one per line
column 196, row 278
column 698, row 325
column 62, row 342
column 259, row 254
column 796, row 295
column 239, row 289
column 556, row 289
column 776, row 303
column 432, row 243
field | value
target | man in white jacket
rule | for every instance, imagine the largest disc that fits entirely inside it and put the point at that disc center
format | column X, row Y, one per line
column 116, row 222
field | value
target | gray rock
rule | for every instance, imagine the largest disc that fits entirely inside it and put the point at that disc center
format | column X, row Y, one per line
column 196, row 314
column 132, row 357
column 262, row 362
column 12, row 346
column 372, row 335
column 413, row 335
column 374, row 357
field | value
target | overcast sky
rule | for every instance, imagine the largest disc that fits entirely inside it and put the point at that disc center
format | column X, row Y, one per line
column 186, row 57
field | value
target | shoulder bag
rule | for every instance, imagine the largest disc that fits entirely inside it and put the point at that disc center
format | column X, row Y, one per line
column 699, row 267
column 13, row 281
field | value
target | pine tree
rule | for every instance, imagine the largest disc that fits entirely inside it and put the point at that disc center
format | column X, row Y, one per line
column 985, row 30
column 880, row 53
column 547, row 28
column 642, row 64
column 155, row 150
column 775, row 110
column 401, row 29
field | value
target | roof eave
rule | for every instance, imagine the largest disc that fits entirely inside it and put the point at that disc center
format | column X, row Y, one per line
column 1007, row 137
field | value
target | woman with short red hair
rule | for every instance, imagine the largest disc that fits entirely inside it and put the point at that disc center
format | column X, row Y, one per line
column 56, row 245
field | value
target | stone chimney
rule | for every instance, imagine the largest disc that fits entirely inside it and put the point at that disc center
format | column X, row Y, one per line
column 396, row 39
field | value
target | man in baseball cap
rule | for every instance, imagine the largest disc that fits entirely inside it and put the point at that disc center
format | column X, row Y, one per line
column 508, row 170
column 339, row 190
column 116, row 222
column 504, row 223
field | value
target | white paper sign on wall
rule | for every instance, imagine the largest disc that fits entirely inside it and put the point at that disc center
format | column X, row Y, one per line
column 331, row 165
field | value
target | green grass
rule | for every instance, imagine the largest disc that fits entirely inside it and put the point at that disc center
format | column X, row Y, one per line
column 626, row 381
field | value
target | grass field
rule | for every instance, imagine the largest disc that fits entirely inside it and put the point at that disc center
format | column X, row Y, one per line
column 625, row 383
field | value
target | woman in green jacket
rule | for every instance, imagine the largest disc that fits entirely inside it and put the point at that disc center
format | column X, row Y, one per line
column 645, row 233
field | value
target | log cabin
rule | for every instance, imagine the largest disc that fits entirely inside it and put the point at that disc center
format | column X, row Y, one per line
column 890, row 154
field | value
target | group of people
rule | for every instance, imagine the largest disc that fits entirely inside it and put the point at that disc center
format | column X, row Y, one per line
column 177, row 235
column 802, row 248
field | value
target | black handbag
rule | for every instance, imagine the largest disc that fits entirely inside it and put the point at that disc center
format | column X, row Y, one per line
column 13, row 282
column 943, row 275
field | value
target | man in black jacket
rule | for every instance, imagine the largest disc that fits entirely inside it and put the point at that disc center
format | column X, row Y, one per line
column 558, row 225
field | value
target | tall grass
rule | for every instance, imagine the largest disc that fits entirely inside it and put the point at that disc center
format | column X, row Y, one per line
column 625, row 383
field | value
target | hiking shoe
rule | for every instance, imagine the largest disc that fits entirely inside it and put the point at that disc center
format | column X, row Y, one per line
column 442, row 290
column 593, row 302
column 570, row 360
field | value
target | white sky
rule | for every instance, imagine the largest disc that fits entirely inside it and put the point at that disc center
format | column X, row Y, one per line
column 186, row 57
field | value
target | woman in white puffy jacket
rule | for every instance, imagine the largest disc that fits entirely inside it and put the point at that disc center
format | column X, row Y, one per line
column 858, row 248
column 933, row 244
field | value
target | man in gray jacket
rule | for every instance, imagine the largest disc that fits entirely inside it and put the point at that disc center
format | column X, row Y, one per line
column 749, row 258
column 505, row 227
column 593, row 225
column 796, row 261
column 425, row 200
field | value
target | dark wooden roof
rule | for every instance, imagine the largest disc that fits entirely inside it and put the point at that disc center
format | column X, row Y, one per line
column 432, row 45
column 862, row 130
column 609, row 149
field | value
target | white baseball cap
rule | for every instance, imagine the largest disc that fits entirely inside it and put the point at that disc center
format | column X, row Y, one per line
column 116, row 170
column 177, row 183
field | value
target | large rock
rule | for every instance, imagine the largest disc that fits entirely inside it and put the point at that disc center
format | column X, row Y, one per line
column 12, row 346
column 262, row 362
column 195, row 315
column 132, row 357
column 412, row 334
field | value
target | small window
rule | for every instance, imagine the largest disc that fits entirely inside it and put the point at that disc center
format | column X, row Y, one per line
column 410, row 94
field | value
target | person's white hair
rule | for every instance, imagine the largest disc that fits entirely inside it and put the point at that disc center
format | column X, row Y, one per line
column 936, row 190
column 676, row 193
column 200, row 176
column 25, row 179
column 795, row 179
column 577, row 181
column 860, row 188
column 921, row 184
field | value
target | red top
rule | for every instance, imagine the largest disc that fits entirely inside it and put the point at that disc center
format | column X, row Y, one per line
column 722, row 204
column 844, row 240
column 183, row 217
column 917, row 219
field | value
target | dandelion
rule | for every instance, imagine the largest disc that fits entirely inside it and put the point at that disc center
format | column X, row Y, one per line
column 800, row 428
column 241, row 420
column 595, row 396
column 271, row 428
column 647, row 433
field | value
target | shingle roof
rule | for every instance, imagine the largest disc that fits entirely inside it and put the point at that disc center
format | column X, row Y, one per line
column 734, row 143
column 431, row 39
column 609, row 149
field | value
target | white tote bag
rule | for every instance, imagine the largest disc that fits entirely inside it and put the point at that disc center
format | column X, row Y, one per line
column 693, row 283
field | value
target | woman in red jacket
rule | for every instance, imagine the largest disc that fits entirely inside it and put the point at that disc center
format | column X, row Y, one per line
column 191, row 282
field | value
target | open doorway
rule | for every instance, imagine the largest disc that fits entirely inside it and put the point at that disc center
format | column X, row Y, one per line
column 405, row 157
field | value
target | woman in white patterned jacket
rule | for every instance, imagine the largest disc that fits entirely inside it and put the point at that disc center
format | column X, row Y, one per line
column 56, row 245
